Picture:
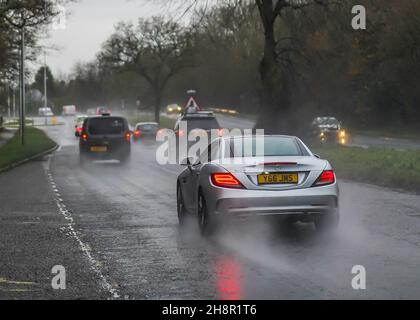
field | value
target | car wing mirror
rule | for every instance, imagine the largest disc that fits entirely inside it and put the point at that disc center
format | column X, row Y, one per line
column 190, row 163
column 186, row 162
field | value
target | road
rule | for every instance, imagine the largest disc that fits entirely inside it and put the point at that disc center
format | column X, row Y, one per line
column 115, row 231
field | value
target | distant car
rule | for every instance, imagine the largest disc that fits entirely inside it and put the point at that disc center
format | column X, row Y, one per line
column 78, row 125
column 329, row 130
column 145, row 130
column 105, row 138
column 69, row 110
column 287, row 183
column 102, row 110
column 173, row 108
column 45, row 112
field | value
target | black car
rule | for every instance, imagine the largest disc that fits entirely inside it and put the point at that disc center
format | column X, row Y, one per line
column 202, row 122
column 196, row 121
column 105, row 138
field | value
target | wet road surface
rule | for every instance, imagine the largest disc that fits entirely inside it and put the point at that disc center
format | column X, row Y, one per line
column 126, row 242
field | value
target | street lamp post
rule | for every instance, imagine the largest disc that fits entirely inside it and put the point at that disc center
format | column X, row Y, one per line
column 45, row 81
column 22, row 86
column 14, row 101
column 8, row 101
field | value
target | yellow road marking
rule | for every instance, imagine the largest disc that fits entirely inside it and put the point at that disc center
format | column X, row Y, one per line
column 2, row 280
column 15, row 290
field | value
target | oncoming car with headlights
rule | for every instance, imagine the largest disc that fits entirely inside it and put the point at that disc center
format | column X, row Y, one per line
column 329, row 130
column 285, row 181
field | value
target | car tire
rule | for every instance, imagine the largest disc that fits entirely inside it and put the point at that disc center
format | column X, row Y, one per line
column 182, row 212
column 125, row 159
column 206, row 220
column 82, row 159
column 327, row 222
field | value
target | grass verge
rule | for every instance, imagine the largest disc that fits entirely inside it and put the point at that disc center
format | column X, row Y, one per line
column 394, row 133
column 13, row 152
column 384, row 167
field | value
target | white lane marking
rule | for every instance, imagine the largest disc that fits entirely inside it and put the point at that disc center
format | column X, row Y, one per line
column 73, row 233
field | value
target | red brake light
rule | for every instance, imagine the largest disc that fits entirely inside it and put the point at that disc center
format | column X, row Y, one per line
column 79, row 129
column 84, row 137
column 180, row 133
column 127, row 135
column 225, row 180
column 326, row 178
column 137, row 133
column 278, row 164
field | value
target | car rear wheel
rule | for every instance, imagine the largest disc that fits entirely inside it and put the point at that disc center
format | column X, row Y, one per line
column 327, row 222
column 206, row 221
column 182, row 212
column 125, row 159
column 82, row 159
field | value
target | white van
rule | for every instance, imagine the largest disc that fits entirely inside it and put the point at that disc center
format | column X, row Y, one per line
column 45, row 112
column 69, row 110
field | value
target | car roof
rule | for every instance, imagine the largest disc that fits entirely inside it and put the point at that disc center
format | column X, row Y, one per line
column 324, row 118
column 105, row 117
column 198, row 115
column 144, row 123
column 261, row 136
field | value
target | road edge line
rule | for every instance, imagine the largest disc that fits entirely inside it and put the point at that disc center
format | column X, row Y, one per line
column 76, row 235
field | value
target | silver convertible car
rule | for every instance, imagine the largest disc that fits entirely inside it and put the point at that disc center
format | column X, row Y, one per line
column 248, row 176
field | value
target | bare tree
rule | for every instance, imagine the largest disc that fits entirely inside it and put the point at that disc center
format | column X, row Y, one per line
column 275, row 102
column 156, row 49
column 26, row 17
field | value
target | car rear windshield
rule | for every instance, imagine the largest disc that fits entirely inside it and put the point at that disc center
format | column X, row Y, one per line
column 265, row 146
column 147, row 127
column 205, row 124
column 106, row 126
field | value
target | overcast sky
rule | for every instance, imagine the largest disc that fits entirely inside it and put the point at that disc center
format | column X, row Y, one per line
column 88, row 25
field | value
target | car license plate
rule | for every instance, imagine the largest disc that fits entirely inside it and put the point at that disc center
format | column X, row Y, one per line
column 278, row 178
column 98, row 149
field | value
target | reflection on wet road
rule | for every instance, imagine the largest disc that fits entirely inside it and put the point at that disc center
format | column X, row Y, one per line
column 127, row 215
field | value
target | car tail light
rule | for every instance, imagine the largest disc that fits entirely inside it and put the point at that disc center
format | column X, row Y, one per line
column 225, row 180
column 84, row 136
column 268, row 164
column 180, row 133
column 326, row 178
column 137, row 133
column 127, row 136
column 79, row 130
